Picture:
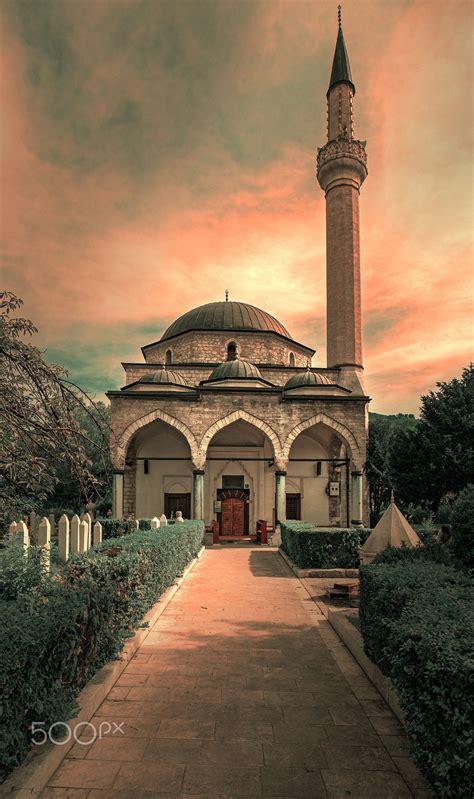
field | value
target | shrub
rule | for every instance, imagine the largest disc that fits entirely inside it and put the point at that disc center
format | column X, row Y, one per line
column 385, row 590
column 417, row 622
column 462, row 519
column 438, row 553
column 20, row 572
column 52, row 646
column 310, row 548
column 113, row 528
column 432, row 671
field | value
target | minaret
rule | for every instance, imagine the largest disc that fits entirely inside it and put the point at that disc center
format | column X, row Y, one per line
column 341, row 170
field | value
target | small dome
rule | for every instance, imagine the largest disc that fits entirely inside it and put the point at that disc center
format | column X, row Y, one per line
column 164, row 376
column 308, row 378
column 235, row 370
column 226, row 315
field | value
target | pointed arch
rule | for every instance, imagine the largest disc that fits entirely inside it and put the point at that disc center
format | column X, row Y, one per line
column 241, row 415
column 322, row 418
column 155, row 415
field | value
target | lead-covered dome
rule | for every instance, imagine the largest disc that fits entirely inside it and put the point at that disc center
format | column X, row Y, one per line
column 225, row 315
column 163, row 376
column 308, row 378
column 236, row 369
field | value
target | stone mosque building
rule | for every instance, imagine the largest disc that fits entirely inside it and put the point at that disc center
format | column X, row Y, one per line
column 226, row 420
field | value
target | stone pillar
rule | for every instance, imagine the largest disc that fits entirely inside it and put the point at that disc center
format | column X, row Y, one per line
column 198, row 494
column 280, row 496
column 117, row 495
column 356, row 503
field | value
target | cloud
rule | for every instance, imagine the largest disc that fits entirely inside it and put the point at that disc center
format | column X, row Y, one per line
column 156, row 153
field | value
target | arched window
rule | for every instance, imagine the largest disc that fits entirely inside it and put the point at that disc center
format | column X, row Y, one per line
column 168, row 357
column 292, row 359
column 232, row 351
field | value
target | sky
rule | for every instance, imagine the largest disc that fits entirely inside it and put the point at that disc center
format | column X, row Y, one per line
column 155, row 153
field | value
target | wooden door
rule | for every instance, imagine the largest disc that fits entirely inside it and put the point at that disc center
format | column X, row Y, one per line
column 232, row 517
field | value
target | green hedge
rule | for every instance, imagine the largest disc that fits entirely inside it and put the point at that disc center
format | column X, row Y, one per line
column 310, row 548
column 56, row 637
column 114, row 528
column 417, row 621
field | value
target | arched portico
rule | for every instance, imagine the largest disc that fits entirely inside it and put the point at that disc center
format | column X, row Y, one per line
column 323, row 463
column 240, row 452
column 321, row 418
column 124, row 440
column 157, row 474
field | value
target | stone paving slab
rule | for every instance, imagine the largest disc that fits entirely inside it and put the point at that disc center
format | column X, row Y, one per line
column 242, row 689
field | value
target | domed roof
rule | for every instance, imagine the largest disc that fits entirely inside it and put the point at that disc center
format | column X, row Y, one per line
column 235, row 370
column 308, row 378
column 225, row 315
column 163, row 375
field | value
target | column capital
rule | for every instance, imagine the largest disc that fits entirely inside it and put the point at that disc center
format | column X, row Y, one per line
column 119, row 471
column 280, row 473
column 198, row 471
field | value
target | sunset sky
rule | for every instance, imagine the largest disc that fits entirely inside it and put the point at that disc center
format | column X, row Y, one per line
column 157, row 152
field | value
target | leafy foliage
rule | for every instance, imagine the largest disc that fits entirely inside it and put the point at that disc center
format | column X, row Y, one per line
column 310, row 548
column 435, row 459
column 52, row 646
column 53, row 437
column 462, row 520
column 381, row 432
column 417, row 621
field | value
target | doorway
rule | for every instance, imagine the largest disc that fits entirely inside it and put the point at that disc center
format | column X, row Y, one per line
column 175, row 502
column 234, row 512
column 293, row 506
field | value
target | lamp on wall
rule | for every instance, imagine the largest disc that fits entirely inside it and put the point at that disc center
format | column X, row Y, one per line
column 319, row 468
column 145, row 466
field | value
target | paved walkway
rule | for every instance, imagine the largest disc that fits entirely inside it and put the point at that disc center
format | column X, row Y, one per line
column 242, row 689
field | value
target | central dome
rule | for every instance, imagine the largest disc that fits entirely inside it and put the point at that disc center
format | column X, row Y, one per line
column 226, row 315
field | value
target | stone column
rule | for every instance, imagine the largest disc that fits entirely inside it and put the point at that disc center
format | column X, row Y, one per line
column 280, row 496
column 117, row 495
column 198, row 494
column 356, row 504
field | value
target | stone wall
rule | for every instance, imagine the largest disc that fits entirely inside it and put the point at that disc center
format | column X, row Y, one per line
column 193, row 374
column 211, row 346
column 195, row 419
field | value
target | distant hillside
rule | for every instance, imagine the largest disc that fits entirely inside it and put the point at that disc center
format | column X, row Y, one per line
column 393, row 419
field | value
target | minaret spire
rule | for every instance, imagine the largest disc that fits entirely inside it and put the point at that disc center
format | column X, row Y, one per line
column 342, row 168
column 341, row 69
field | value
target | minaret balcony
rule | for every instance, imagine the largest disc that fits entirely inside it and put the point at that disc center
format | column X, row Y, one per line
column 339, row 148
column 342, row 161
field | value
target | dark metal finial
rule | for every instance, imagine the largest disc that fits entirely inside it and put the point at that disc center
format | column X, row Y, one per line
column 227, row 295
column 339, row 16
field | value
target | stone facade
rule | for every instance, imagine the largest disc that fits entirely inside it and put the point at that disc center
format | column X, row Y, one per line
column 198, row 346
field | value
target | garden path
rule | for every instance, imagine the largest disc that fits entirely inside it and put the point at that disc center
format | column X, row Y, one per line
column 242, row 689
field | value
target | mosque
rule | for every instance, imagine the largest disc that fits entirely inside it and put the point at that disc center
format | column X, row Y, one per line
column 226, row 420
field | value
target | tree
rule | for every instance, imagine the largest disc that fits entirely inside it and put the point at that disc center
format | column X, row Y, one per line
column 435, row 460
column 381, row 432
column 49, row 426
column 462, row 520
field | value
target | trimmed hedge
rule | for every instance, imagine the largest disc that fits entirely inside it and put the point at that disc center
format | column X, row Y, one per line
column 310, row 548
column 417, row 621
column 57, row 636
column 113, row 528
column 438, row 553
